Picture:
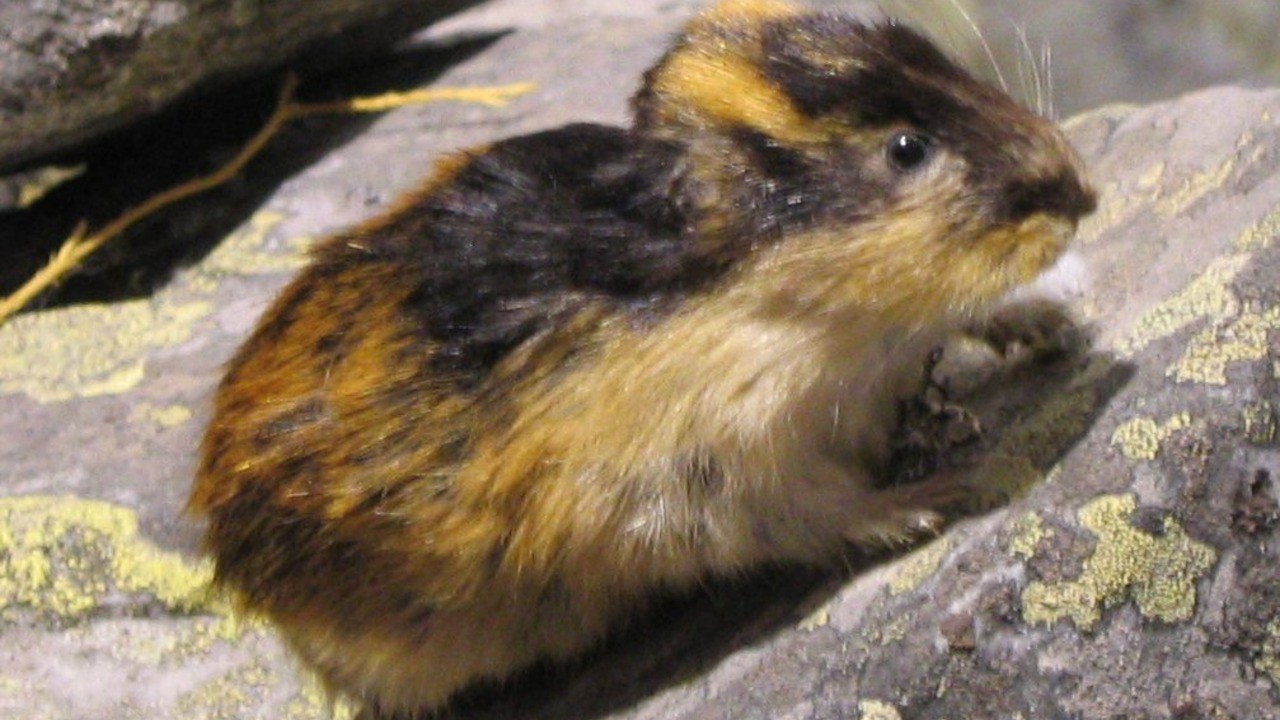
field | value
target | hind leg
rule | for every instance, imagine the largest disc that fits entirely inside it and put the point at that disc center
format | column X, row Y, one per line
column 901, row 513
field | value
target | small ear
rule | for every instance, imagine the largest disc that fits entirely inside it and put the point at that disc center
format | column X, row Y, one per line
column 713, row 77
column 741, row 11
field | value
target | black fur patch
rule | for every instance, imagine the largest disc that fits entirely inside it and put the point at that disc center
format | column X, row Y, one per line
column 537, row 229
column 1062, row 195
column 532, row 231
column 880, row 76
column 789, row 191
column 830, row 63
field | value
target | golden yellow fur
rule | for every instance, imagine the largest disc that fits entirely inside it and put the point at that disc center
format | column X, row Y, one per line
column 415, row 526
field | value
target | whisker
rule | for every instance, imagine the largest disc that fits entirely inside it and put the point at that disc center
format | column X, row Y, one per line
column 1028, row 74
column 982, row 40
column 1046, row 64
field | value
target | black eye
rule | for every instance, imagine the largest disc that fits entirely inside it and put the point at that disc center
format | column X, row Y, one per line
column 908, row 151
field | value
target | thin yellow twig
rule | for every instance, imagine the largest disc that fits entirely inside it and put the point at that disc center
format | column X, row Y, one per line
column 80, row 244
column 489, row 96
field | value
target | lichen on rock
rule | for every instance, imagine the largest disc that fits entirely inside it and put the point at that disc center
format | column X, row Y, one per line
column 1158, row 572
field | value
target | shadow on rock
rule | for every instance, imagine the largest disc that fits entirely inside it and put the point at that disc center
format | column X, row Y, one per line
column 190, row 140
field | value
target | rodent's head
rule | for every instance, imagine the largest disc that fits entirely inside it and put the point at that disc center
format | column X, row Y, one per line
column 864, row 166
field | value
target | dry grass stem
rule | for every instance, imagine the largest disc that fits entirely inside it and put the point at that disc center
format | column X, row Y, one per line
column 81, row 243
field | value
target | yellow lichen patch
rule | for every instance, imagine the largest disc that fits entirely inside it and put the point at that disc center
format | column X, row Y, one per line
column 890, row 632
column 1157, row 571
column 1151, row 177
column 1025, row 535
column 167, row 416
column 1213, row 349
column 313, row 702
column 1140, row 438
column 816, row 619
column 918, row 566
column 237, row 694
column 61, row 556
column 1117, row 202
column 1261, row 235
column 1208, row 297
column 1260, row 423
column 1268, row 661
column 186, row 640
column 244, row 251
column 89, row 350
column 876, row 710
column 246, row 689
column 1196, row 187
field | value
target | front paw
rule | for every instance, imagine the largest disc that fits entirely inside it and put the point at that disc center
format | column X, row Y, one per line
column 1038, row 329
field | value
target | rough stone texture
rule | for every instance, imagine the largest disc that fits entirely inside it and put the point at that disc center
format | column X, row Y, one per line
column 73, row 69
column 1123, row 564
column 1102, row 52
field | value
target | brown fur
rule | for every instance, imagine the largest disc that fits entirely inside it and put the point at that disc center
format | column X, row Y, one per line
column 414, row 527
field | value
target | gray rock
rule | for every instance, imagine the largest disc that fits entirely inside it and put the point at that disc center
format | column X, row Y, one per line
column 1102, row 52
column 73, row 69
column 1135, row 50
column 1124, row 563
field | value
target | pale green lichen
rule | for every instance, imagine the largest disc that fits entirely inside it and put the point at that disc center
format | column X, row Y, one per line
column 1243, row 339
column 89, row 350
column 166, row 416
column 313, row 702
column 1260, row 236
column 186, row 640
column 1208, row 297
column 235, row 695
column 1260, row 423
column 1195, row 187
column 1141, row 438
column 890, row 632
column 1152, row 176
column 1268, row 661
column 1025, row 535
column 877, row 710
column 918, row 566
column 61, row 556
column 819, row 618
column 245, row 251
column 102, row 349
column 1158, row 572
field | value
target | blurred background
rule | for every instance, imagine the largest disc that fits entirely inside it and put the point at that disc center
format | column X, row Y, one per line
column 1102, row 51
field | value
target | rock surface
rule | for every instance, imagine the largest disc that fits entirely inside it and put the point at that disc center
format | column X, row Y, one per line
column 73, row 69
column 1125, row 564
